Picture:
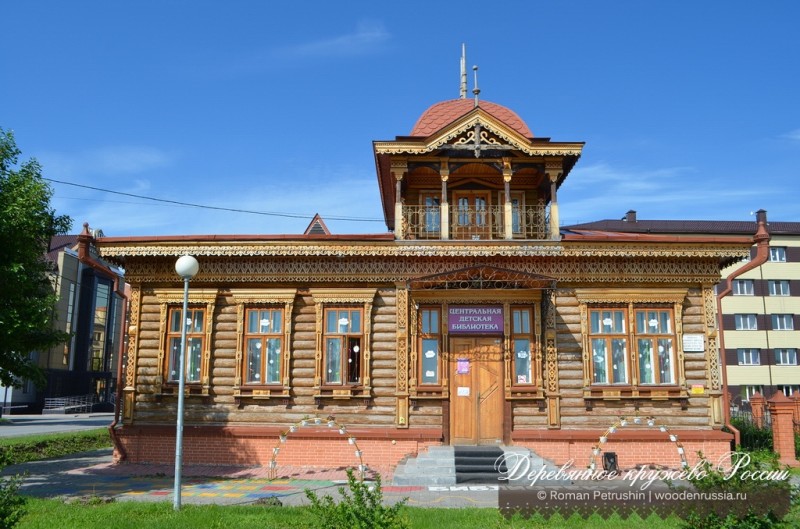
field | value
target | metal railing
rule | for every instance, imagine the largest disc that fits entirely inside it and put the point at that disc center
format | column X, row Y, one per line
column 471, row 223
column 77, row 404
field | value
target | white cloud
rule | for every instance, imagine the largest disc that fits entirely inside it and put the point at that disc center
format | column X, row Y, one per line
column 367, row 35
column 793, row 135
column 104, row 161
column 601, row 191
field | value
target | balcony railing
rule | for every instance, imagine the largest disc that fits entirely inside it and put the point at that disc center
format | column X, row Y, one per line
column 471, row 223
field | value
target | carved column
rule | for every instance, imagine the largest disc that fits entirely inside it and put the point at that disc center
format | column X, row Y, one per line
column 399, row 168
column 401, row 418
column 551, row 363
column 715, row 393
column 444, row 207
column 508, row 225
column 554, row 169
column 129, row 391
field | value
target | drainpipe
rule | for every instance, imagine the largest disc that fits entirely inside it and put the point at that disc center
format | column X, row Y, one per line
column 85, row 256
column 761, row 239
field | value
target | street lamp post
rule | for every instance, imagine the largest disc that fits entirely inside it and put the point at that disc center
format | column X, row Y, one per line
column 186, row 267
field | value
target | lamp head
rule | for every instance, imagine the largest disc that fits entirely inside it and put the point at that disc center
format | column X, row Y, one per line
column 187, row 267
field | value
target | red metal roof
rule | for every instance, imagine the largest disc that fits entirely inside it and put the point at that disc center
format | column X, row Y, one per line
column 445, row 112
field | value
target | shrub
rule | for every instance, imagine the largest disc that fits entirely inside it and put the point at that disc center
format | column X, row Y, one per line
column 360, row 508
column 12, row 505
column 751, row 436
column 714, row 479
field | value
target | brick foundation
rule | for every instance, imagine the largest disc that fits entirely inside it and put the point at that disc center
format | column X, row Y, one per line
column 322, row 447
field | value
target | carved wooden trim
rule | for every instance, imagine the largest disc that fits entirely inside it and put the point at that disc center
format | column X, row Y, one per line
column 629, row 295
column 401, row 417
column 254, row 298
column 324, row 297
column 712, row 352
column 174, row 297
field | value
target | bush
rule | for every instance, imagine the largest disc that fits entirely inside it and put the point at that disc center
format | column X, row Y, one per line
column 360, row 508
column 714, row 479
column 12, row 505
column 752, row 437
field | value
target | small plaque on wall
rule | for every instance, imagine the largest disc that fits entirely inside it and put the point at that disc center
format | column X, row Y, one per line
column 694, row 343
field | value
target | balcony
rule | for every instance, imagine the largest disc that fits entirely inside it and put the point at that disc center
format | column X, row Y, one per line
column 475, row 223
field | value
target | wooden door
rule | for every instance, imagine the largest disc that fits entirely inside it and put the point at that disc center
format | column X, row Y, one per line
column 476, row 391
column 472, row 216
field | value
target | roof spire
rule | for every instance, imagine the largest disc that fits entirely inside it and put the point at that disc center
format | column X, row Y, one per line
column 463, row 89
column 476, row 90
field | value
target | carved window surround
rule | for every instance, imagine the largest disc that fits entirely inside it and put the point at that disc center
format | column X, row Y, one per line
column 251, row 298
column 172, row 297
column 324, row 297
column 633, row 298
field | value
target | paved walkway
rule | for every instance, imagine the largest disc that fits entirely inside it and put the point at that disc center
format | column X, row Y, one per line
column 95, row 474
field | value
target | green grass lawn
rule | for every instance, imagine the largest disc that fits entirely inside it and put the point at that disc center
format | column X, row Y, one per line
column 15, row 450
column 134, row 515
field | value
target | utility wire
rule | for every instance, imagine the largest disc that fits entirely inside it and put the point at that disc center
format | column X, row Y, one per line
column 203, row 206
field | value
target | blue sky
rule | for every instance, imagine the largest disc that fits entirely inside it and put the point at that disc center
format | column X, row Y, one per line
column 689, row 110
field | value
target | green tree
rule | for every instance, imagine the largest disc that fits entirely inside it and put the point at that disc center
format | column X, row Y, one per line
column 27, row 297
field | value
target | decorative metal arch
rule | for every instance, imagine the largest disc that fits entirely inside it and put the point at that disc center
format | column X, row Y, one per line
column 482, row 278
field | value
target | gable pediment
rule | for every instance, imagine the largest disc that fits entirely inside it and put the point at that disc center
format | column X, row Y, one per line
column 476, row 132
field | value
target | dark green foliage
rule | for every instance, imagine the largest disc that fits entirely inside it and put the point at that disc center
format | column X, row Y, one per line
column 12, row 505
column 27, row 223
column 713, row 479
column 751, row 436
column 360, row 508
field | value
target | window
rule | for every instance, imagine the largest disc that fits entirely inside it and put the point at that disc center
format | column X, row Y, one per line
column 777, row 254
column 789, row 390
column 654, row 340
column 195, row 338
column 608, row 340
column 749, row 391
column 749, row 357
column 786, row 357
column 342, row 339
column 432, row 213
column 522, row 342
column 746, row 322
column 430, row 339
column 782, row 322
column 263, row 346
column 778, row 287
column 742, row 287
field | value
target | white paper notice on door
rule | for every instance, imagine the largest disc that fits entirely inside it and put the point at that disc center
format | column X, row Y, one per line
column 463, row 391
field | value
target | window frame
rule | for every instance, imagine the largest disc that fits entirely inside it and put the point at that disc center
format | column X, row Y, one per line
column 785, row 353
column 790, row 387
column 747, row 391
column 773, row 285
column 751, row 320
column 782, row 322
column 748, row 356
column 263, row 339
column 263, row 299
column 360, row 299
column 520, row 335
column 429, row 329
column 171, row 300
column 633, row 299
column 743, row 287
column 777, row 254
column 347, row 339
column 610, row 341
column 657, row 342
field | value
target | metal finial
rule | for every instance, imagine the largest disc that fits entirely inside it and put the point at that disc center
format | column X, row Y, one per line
column 463, row 88
column 476, row 90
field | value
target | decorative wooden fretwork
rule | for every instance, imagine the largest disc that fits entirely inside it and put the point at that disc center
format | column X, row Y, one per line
column 481, row 278
column 342, row 296
column 589, row 268
column 712, row 354
column 129, row 391
column 174, row 297
column 551, row 362
column 251, row 298
column 632, row 298
column 401, row 419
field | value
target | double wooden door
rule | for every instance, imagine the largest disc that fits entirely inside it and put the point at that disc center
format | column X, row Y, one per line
column 476, row 391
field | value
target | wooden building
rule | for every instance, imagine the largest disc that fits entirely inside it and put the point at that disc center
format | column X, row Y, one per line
column 473, row 320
